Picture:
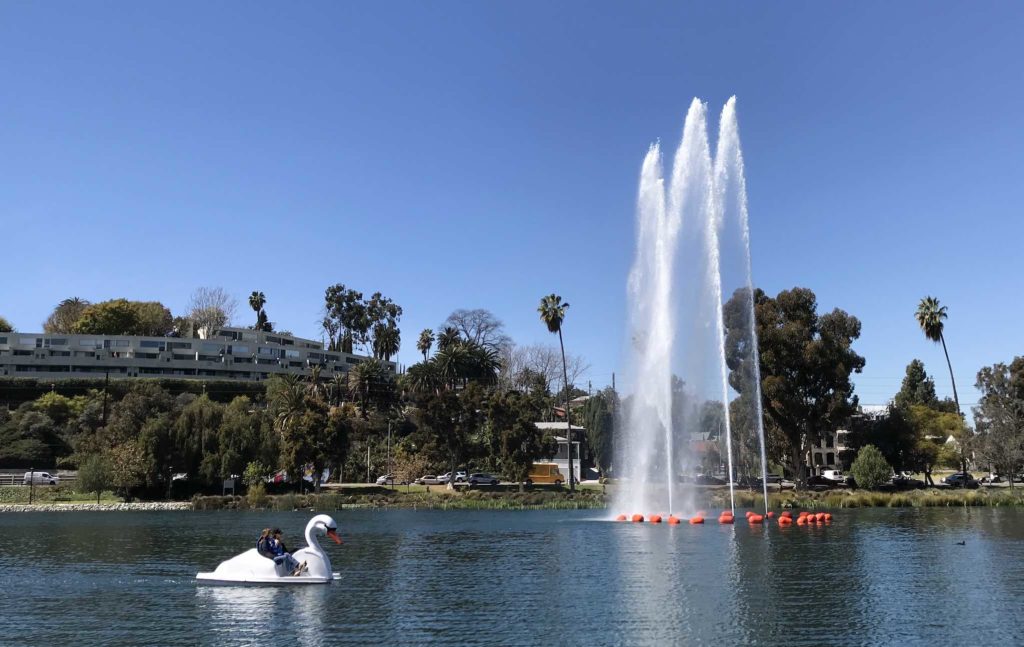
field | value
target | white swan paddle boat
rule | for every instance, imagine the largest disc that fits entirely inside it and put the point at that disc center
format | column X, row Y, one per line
column 252, row 568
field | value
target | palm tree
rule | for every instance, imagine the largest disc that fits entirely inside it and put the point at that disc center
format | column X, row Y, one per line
column 929, row 316
column 367, row 379
column 387, row 339
column 424, row 378
column 552, row 313
column 256, row 301
column 425, row 341
column 447, row 338
column 286, row 397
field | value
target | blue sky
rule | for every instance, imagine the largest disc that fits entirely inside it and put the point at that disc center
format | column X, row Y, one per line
column 482, row 154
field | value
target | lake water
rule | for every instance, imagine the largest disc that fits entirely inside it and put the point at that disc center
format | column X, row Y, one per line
column 520, row 578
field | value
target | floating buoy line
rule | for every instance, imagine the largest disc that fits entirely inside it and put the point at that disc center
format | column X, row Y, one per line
column 784, row 519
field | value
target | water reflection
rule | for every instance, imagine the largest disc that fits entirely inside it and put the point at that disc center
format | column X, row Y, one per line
column 263, row 614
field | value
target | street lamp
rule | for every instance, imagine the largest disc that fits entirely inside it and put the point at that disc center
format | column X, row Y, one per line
column 31, row 483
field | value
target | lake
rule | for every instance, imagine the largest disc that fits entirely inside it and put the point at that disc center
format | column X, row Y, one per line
column 874, row 576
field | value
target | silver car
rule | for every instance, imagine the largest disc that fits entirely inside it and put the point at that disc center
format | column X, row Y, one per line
column 481, row 478
column 431, row 480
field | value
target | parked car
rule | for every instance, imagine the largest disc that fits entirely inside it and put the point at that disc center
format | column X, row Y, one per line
column 902, row 482
column 430, row 479
column 822, row 483
column 460, row 477
column 481, row 478
column 707, row 479
column 834, row 475
column 41, row 478
column 961, row 479
column 387, row 479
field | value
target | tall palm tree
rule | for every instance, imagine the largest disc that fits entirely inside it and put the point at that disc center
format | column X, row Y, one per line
column 929, row 316
column 256, row 301
column 425, row 341
column 387, row 339
column 552, row 313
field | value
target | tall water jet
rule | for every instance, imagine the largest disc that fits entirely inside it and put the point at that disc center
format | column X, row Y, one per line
column 676, row 365
column 731, row 197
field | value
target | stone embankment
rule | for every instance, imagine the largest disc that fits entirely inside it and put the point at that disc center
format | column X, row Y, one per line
column 97, row 507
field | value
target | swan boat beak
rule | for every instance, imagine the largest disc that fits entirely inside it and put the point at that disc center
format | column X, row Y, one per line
column 333, row 534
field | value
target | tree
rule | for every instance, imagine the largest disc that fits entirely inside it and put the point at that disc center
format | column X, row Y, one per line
column 63, row 318
column 94, row 475
column 806, row 361
column 479, row 326
column 211, row 308
column 599, row 423
column 370, row 383
column 115, row 317
column 521, row 364
column 516, row 440
column 917, row 387
column 5, row 326
column 425, row 341
column 196, row 434
column 552, row 313
column 123, row 317
column 256, row 301
column 387, row 339
column 127, row 467
column 869, row 469
column 931, row 430
column 345, row 308
column 930, row 316
column 448, row 337
column 999, row 417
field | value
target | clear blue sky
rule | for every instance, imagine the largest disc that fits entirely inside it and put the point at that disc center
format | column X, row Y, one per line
column 482, row 154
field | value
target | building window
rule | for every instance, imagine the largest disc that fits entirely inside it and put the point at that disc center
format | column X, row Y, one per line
column 830, row 459
column 159, row 345
column 817, row 458
column 179, row 344
column 239, row 350
column 829, row 441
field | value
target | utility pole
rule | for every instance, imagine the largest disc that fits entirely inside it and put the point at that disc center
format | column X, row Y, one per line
column 31, row 483
column 368, row 462
column 389, row 453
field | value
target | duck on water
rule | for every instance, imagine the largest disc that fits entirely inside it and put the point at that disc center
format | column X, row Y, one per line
column 251, row 567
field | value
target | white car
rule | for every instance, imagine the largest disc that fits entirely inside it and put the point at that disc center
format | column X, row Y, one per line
column 41, row 478
column 387, row 479
column 430, row 479
column 460, row 477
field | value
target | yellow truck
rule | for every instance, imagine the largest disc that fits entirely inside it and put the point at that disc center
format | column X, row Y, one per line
column 544, row 473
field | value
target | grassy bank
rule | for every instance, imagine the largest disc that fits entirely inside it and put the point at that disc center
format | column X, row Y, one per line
column 16, row 494
column 867, row 499
column 437, row 499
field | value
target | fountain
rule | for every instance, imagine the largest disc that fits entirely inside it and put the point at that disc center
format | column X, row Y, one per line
column 677, row 348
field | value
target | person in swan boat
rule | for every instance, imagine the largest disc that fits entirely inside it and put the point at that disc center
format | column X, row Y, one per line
column 271, row 546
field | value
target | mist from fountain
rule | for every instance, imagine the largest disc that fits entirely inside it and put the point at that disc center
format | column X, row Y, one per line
column 676, row 361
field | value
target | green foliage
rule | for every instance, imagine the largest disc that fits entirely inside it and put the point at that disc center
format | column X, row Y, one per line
column 870, row 468
column 29, row 438
column 127, row 463
column 255, row 472
column 516, row 441
column 94, row 475
column 425, row 341
column 806, row 361
column 930, row 316
column 917, row 387
column 123, row 317
column 999, row 417
column 599, row 423
column 5, row 326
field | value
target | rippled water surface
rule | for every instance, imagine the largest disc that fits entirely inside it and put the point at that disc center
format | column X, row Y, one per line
column 520, row 578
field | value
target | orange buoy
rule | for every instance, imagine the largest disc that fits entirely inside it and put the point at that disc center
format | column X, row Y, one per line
column 785, row 521
column 725, row 518
column 696, row 520
column 771, row 514
column 787, row 514
column 672, row 521
column 801, row 521
column 638, row 518
column 756, row 518
column 820, row 516
column 828, row 516
column 654, row 518
column 621, row 517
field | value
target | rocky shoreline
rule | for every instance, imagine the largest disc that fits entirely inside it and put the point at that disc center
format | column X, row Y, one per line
column 161, row 506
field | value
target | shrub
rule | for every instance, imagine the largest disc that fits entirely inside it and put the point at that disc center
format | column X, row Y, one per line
column 870, row 468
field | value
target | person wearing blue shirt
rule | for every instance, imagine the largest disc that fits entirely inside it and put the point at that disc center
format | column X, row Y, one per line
column 271, row 546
